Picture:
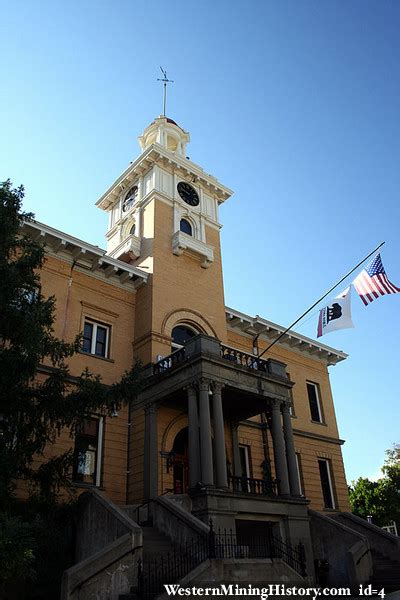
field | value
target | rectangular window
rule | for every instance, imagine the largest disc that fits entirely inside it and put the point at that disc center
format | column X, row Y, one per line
column 244, row 461
column 326, row 482
column 87, row 452
column 96, row 338
column 314, row 401
column 244, row 454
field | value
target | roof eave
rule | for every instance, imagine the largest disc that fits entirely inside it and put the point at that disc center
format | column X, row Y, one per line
column 291, row 340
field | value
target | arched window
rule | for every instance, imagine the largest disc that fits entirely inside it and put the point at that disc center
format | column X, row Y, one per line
column 132, row 230
column 186, row 227
column 180, row 335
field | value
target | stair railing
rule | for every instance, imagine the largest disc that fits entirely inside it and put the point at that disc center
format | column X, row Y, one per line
column 219, row 544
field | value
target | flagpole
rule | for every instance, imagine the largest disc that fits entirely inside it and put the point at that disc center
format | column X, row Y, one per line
column 319, row 300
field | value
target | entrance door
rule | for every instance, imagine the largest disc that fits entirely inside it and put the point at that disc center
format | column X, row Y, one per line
column 181, row 462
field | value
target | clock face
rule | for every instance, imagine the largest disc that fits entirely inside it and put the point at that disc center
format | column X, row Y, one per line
column 188, row 194
column 130, row 198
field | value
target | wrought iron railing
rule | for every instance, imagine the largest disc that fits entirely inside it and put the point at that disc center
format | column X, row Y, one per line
column 294, row 557
column 170, row 361
column 170, row 568
column 218, row 544
column 226, row 544
column 244, row 359
column 248, row 485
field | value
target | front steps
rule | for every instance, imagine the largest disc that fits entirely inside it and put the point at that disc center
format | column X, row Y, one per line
column 155, row 546
column 386, row 573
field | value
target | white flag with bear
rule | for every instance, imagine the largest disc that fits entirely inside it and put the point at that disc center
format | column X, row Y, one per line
column 337, row 315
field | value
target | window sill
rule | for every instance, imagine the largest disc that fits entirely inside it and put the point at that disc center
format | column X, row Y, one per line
column 318, row 423
column 110, row 360
column 81, row 484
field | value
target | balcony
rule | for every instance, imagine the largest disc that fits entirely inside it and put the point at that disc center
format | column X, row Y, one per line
column 128, row 250
column 204, row 344
column 183, row 243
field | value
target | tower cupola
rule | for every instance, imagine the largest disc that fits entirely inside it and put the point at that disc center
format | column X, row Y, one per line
column 167, row 133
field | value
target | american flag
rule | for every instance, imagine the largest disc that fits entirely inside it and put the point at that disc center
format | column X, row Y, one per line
column 372, row 282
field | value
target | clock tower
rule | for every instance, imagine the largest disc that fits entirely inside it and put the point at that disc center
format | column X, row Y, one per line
column 163, row 218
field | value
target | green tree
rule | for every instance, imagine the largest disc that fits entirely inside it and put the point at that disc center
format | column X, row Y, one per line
column 33, row 412
column 381, row 498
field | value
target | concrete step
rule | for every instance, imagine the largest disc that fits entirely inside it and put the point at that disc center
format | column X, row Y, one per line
column 155, row 545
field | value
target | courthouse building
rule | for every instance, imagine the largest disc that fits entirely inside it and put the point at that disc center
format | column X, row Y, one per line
column 251, row 443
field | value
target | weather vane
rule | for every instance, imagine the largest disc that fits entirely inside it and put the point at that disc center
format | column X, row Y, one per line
column 165, row 80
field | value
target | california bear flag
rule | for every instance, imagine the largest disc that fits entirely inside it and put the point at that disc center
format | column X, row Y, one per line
column 337, row 315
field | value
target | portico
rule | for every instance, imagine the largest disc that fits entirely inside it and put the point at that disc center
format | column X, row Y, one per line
column 217, row 385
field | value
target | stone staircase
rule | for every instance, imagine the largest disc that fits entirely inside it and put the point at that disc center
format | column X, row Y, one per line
column 386, row 573
column 155, row 546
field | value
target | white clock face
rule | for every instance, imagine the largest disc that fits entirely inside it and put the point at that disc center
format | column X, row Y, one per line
column 130, row 198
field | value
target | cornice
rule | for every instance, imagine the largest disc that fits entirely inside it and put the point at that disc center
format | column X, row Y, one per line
column 267, row 330
column 319, row 437
column 157, row 154
column 85, row 257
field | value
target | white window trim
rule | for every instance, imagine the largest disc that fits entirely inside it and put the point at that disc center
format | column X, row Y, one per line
column 328, row 469
column 94, row 337
column 316, row 387
column 297, row 454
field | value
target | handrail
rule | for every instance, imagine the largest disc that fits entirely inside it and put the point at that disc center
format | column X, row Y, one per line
column 200, row 530
column 95, row 557
column 217, row 545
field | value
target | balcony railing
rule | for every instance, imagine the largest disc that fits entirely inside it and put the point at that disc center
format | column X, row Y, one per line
column 235, row 357
column 169, row 362
column 248, row 485
column 244, row 359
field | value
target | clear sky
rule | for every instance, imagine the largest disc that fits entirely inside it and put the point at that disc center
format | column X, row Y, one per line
column 292, row 104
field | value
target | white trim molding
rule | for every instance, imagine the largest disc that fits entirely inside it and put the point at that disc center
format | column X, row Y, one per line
column 91, row 259
column 181, row 242
column 269, row 331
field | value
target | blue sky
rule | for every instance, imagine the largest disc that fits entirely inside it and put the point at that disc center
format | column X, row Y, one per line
column 294, row 105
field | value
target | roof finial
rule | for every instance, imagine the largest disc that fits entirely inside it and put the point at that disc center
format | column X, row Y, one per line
column 165, row 80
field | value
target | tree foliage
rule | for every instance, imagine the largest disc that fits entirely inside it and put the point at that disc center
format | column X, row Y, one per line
column 33, row 410
column 381, row 498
